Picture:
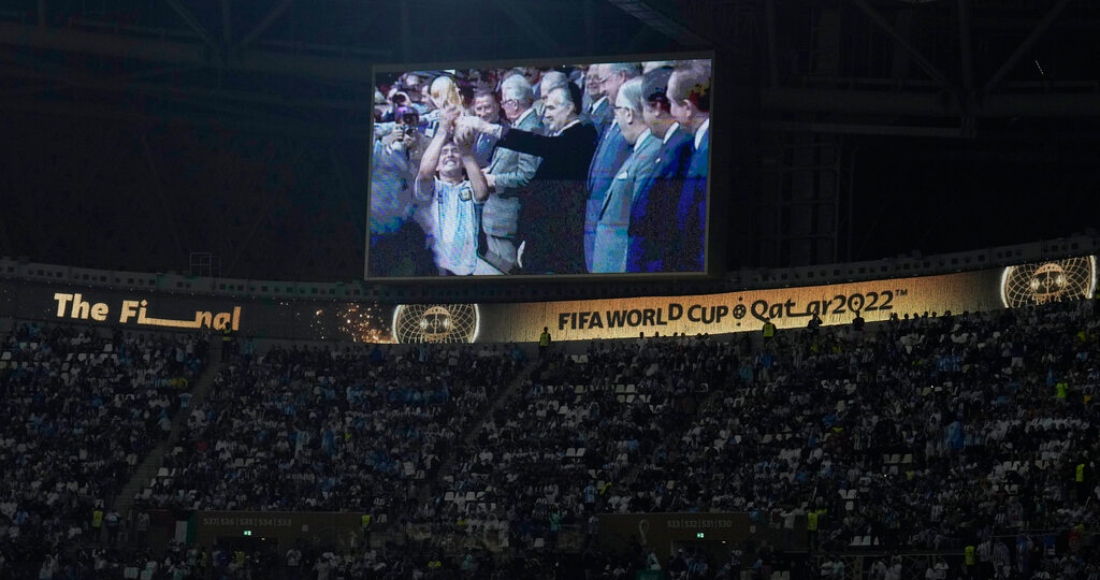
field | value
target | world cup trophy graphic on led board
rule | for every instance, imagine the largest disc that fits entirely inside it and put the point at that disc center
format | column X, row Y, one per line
column 1043, row 282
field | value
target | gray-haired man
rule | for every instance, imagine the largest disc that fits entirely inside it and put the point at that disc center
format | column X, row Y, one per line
column 507, row 172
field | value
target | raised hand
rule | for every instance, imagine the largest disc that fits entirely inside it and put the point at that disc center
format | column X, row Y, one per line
column 464, row 136
column 449, row 116
column 472, row 124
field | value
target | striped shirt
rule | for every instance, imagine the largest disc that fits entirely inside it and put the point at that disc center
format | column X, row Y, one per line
column 454, row 219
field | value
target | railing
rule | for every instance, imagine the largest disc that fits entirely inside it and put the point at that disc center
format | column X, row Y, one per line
column 498, row 290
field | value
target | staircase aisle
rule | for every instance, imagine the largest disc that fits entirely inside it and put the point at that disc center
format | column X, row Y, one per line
column 147, row 470
column 506, row 393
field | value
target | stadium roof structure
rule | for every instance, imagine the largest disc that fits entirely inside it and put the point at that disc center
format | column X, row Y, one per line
column 148, row 133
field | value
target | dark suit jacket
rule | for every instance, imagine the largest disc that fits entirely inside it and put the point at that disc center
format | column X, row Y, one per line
column 655, row 237
column 483, row 149
column 611, row 152
column 601, row 117
column 691, row 210
column 551, row 221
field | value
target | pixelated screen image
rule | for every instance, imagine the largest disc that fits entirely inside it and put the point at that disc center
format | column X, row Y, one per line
column 541, row 170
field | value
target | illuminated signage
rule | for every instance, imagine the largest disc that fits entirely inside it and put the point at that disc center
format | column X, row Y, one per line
column 229, row 520
column 760, row 309
column 795, row 307
column 74, row 306
column 571, row 320
column 729, row 312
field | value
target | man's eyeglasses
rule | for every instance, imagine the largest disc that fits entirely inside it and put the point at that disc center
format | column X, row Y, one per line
column 607, row 78
column 510, row 103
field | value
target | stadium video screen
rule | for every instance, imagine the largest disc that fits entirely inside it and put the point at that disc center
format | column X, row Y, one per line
column 540, row 170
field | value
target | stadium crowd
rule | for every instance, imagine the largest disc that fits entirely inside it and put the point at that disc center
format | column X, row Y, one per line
column 324, row 429
column 81, row 411
column 971, row 435
column 933, row 432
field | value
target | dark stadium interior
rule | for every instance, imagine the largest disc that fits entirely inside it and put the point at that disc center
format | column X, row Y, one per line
column 198, row 383
column 138, row 135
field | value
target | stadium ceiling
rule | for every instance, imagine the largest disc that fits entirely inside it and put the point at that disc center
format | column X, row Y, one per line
column 931, row 67
column 1010, row 83
column 834, row 65
column 301, row 64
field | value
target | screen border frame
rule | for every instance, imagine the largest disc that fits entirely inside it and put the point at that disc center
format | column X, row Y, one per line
column 708, row 271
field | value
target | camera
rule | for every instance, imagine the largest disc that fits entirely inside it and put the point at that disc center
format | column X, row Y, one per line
column 410, row 130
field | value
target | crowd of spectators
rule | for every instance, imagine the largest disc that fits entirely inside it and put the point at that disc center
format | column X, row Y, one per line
column 956, row 433
column 933, row 432
column 928, row 432
column 328, row 429
column 82, row 409
column 556, row 452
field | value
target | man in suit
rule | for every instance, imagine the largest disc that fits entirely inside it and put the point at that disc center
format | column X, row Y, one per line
column 582, row 75
column 533, row 76
column 611, row 241
column 548, row 81
column 654, row 236
column 486, row 108
column 600, row 111
column 507, row 173
column 611, row 152
column 551, row 220
column 689, row 101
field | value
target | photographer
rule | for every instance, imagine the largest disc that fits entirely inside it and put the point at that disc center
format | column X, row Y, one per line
column 397, row 244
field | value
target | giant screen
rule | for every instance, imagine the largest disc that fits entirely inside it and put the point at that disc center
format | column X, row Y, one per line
column 540, row 169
